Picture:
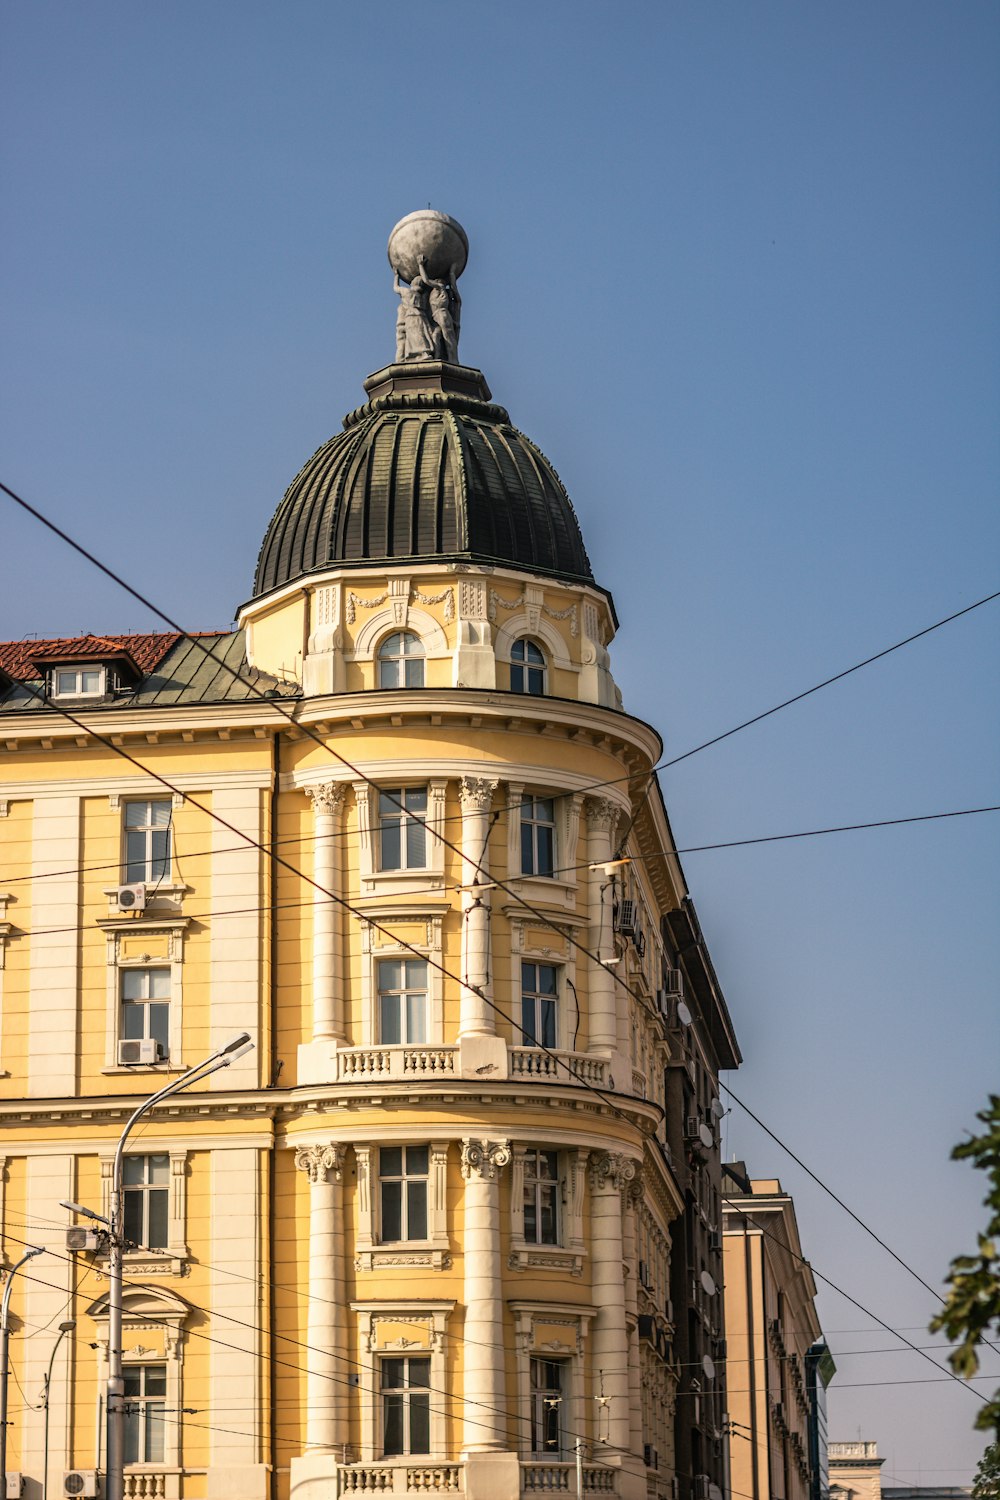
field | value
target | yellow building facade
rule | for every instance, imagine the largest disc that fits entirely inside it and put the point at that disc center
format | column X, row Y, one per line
column 399, row 828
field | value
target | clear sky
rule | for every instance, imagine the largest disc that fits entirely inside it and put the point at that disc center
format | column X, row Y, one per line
column 734, row 268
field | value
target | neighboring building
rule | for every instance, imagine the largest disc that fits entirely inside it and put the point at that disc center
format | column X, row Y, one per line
column 925, row 1492
column 820, row 1370
column 855, row 1471
column 703, row 1042
column 772, row 1333
column 436, row 1230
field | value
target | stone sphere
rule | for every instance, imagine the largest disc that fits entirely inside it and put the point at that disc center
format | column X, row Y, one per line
column 440, row 239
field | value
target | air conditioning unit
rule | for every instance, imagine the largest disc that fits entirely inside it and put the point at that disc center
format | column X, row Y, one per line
column 130, row 898
column 81, row 1482
column 142, row 1053
column 625, row 918
column 14, row 1485
column 650, row 1456
column 701, row 1486
column 692, row 1128
column 673, row 982
column 715, row 1240
column 83, row 1241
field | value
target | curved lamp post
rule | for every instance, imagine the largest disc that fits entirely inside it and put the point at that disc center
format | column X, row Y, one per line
column 236, row 1047
column 64, row 1328
column 5, row 1353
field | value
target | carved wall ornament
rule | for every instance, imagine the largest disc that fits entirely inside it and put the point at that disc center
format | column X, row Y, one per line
column 472, row 601
column 356, row 602
column 611, row 1169
column 320, row 1162
column 476, row 793
column 446, row 597
column 498, row 602
column 484, row 1158
column 532, row 607
column 328, row 798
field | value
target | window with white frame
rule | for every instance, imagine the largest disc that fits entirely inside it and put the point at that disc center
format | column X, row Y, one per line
column 405, row 1385
column 539, row 1001
column 402, row 1001
column 401, row 661
column 402, row 828
column 147, row 842
column 145, row 1401
column 538, row 835
column 145, row 1006
column 79, row 682
column 541, row 1197
column 548, row 1381
column 147, row 1192
column 527, row 667
column 403, row 1181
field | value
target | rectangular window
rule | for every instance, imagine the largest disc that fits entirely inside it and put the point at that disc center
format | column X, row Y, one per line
column 538, row 828
column 403, row 839
column 538, row 1005
column 402, row 1001
column 145, row 995
column 79, row 682
column 145, row 1396
column 406, row 1414
column 147, row 842
column 546, row 1406
column 403, row 1192
column 147, row 1184
column 541, row 1197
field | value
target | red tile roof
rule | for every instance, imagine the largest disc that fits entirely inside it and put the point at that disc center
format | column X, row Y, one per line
column 147, row 651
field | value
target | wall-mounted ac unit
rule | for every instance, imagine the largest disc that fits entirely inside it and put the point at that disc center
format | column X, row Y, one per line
column 142, row 1053
column 692, row 1128
column 14, row 1485
column 83, row 1482
column 625, row 918
column 714, row 1240
column 673, row 981
column 701, row 1486
column 83, row 1241
column 130, row 898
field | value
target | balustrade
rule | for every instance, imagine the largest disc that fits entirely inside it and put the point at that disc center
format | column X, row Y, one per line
column 534, row 1062
column 143, row 1485
column 400, row 1479
column 560, row 1478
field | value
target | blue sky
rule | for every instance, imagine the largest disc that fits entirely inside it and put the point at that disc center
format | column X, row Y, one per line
column 733, row 267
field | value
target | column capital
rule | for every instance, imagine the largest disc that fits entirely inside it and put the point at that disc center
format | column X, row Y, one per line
column 602, row 814
column 320, row 1163
column 327, row 798
column 611, row 1169
column 484, row 1158
column 476, row 793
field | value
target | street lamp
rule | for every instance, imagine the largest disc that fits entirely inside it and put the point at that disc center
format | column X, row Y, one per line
column 64, row 1328
column 5, row 1353
column 237, row 1046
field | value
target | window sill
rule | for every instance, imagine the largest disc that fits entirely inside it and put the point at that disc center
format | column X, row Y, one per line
column 544, row 888
column 402, row 882
column 171, row 1261
column 162, row 1069
column 405, row 1253
column 524, row 1257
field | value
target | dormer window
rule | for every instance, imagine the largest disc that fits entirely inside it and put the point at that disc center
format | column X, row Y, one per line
column 79, row 682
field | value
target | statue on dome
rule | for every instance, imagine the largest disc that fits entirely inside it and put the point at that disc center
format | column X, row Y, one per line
column 428, row 252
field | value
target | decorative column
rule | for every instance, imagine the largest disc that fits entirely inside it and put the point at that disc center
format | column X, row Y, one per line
column 610, row 1175
column 326, row 1381
column 476, row 796
column 602, row 818
column 633, row 1198
column 484, row 1392
column 328, row 1013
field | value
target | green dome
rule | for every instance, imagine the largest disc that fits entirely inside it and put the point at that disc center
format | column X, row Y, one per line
column 429, row 470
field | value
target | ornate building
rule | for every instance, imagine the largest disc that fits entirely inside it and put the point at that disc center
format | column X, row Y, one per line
column 397, row 827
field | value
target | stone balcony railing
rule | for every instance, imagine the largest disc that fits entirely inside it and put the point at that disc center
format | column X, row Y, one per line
column 414, row 1064
column 145, row 1484
column 542, row 1477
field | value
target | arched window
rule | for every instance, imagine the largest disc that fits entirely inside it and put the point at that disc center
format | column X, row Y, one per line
column 401, row 661
column 527, row 667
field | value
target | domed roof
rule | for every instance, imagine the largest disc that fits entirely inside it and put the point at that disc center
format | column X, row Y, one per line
column 429, row 469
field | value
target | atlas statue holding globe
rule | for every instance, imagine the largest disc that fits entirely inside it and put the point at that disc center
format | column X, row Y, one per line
column 428, row 252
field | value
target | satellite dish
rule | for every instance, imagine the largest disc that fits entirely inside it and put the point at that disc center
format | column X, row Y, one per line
column 717, row 1109
column 708, row 1366
column 706, row 1136
column 708, row 1282
column 683, row 1014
